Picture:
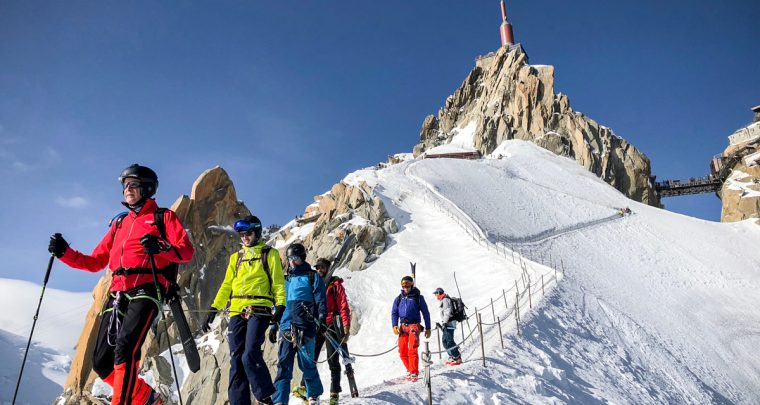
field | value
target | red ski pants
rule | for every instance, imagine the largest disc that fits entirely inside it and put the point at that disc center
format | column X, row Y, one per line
column 408, row 342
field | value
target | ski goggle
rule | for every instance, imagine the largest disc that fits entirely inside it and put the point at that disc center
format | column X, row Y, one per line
column 245, row 226
column 131, row 184
column 293, row 258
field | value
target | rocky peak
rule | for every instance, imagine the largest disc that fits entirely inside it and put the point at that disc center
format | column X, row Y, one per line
column 504, row 97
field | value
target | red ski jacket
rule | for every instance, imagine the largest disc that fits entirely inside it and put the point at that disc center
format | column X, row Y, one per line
column 337, row 303
column 120, row 248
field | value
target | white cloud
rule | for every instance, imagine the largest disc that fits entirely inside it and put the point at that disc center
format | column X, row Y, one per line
column 72, row 202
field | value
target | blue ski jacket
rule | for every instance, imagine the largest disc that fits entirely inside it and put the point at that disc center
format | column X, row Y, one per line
column 303, row 294
column 407, row 308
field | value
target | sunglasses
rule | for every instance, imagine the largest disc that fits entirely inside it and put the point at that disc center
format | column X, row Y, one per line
column 131, row 184
column 320, row 266
column 244, row 234
column 406, row 285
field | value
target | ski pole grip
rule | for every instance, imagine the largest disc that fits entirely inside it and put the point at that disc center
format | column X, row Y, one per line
column 50, row 264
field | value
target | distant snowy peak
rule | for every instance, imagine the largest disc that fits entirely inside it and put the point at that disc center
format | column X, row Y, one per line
column 504, row 98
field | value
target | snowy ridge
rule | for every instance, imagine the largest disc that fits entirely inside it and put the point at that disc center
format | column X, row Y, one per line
column 643, row 315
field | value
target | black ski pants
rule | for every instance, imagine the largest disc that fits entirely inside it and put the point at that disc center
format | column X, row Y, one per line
column 124, row 325
column 333, row 358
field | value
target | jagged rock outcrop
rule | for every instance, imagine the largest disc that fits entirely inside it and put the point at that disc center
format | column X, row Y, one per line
column 207, row 215
column 506, row 98
column 740, row 192
column 345, row 209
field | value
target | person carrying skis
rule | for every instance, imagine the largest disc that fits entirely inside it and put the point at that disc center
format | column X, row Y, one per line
column 304, row 318
column 405, row 317
column 126, row 250
column 449, row 326
column 339, row 321
column 253, row 284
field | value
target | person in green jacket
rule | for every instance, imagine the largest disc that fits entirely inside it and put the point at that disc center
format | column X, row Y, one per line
column 254, row 286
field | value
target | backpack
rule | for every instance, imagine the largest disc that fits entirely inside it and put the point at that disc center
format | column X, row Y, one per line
column 458, row 312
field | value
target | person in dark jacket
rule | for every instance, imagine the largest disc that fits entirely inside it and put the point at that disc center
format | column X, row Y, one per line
column 449, row 326
column 304, row 318
column 126, row 249
column 406, row 319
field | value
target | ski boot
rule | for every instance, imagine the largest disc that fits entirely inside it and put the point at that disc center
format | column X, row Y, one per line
column 334, row 398
column 412, row 377
column 313, row 401
column 454, row 362
column 267, row 401
column 154, row 399
column 300, row 393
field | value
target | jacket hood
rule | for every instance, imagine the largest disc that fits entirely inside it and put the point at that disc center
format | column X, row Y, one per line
column 334, row 279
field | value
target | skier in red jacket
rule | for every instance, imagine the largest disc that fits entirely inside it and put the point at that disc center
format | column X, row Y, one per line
column 126, row 250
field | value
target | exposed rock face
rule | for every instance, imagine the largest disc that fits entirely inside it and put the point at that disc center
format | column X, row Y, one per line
column 507, row 98
column 740, row 193
column 346, row 209
column 207, row 215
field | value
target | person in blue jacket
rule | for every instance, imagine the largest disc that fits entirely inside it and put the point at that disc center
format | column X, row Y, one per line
column 406, row 320
column 304, row 317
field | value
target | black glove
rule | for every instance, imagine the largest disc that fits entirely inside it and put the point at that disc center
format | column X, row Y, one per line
column 273, row 334
column 321, row 327
column 154, row 245
column 209, row 319
column 58, row 245
column 277, row 315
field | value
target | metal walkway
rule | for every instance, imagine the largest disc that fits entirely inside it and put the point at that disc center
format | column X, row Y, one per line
column 694, row 185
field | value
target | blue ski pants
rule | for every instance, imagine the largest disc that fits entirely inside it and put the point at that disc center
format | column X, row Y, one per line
column 248, row 372
column 306, row 362
column 448, row 340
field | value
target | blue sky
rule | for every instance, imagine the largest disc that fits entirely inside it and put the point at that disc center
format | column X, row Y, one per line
column 289, row 96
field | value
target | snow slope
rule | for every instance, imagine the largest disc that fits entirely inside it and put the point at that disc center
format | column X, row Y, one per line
column 60, row 321
column 654, row 307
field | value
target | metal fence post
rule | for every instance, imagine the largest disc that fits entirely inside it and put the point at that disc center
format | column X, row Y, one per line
column 438, row 333
column 543, row 290
column 517, row 312
column 504, row 293
column 501, row 336
column 493, row 310
column 428, row 378
column 530, row 297
column 482, row 341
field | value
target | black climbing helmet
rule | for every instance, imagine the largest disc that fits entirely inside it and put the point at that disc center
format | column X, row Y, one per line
column 148, row 179
column 249, row 223
column 296, row 249
column 322, row 262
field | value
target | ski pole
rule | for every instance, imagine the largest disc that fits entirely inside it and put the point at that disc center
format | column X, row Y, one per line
column 34, row 323
column 166, row 327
